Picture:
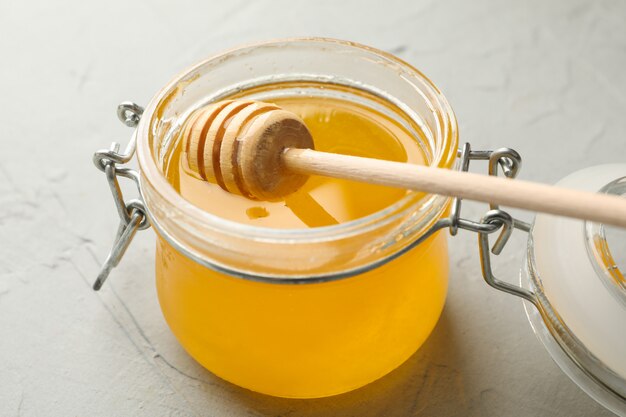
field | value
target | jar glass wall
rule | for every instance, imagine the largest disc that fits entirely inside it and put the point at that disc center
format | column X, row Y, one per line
column 314, row 318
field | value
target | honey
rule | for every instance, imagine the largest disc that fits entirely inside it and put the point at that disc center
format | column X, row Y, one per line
column 314, row 339
column 337, row 126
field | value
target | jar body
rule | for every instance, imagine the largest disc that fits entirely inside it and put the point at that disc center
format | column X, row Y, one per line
column 310, row 340
column 312, row 312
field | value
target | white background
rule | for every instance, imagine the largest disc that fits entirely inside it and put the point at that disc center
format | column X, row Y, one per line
column 544, row 77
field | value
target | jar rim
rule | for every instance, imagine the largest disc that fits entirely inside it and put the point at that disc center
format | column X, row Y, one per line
column 403, row 207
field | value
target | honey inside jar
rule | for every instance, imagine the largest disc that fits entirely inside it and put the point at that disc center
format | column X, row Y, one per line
column 337, row 126
column 315, row 339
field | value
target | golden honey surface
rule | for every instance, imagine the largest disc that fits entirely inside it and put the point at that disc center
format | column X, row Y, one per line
column 337, row 126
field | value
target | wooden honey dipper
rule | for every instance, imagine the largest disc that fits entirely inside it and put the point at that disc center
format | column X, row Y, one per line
column 263, row 152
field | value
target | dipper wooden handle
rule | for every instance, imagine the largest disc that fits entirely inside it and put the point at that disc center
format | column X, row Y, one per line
column 263, row 152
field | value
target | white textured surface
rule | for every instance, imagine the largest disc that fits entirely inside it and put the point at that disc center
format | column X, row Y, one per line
column 546, row 78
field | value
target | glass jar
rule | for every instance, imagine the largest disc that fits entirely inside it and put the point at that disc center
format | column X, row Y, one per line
column 300, row 312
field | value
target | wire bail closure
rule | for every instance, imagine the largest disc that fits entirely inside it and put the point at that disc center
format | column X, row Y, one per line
column 134, row 215
column 495, row 219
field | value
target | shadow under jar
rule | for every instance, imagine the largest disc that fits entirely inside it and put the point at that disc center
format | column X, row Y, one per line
column 302, row 298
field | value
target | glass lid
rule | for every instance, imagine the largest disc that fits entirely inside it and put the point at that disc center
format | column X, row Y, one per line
column 576, row 270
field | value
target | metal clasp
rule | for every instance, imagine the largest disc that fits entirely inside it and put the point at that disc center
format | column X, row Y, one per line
column 132, row 213
column 495, row 219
